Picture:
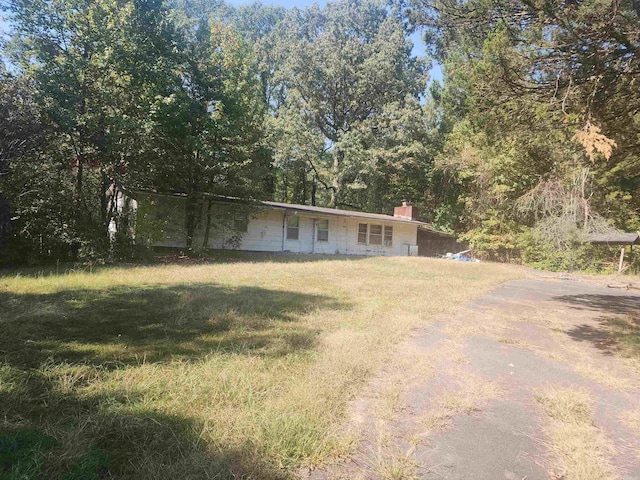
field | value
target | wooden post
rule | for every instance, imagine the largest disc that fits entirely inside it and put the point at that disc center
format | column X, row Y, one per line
column 621, row 260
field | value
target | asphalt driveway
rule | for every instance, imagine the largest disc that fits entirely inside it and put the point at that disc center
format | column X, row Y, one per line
column 469, row 395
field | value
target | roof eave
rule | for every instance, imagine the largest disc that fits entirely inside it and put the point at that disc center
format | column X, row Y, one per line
column 345, row 213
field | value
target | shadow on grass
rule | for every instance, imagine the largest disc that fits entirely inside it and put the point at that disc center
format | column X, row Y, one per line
column 172, row 256
column 125, row 325
column 614, row 304
column 76, row 440
column 53, row 430
column 615, row 333
column 618, row 335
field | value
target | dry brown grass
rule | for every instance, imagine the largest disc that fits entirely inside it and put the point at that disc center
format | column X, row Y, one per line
column 471, row 394
column 397, row 467
column 516, row 343
column 631, row 418
column 378, row 408
column 580, row 357
column 580, row 450
column 219, row 370
column 407, row 367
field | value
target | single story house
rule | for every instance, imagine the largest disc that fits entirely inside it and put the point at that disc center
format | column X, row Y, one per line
column 231, row 223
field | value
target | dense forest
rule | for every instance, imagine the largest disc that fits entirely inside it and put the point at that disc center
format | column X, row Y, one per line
column 530, row 142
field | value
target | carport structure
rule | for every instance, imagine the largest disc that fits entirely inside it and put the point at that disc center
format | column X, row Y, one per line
column 611, row 239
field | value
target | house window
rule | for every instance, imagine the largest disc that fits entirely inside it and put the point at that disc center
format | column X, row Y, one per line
column 323, row 230
column 362, row 233
column 375, row 234
column 293, row 224
column 388, row 236
column 240, row 222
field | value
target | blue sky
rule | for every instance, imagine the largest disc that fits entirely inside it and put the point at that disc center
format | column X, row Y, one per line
column 418, row 45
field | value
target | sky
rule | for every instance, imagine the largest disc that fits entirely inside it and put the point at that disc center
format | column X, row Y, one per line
column 418, row 45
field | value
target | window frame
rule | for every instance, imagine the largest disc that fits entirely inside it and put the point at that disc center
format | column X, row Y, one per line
column 378, row 236
column 385, row 235
column 242, row 219
column 291, row 228
column 389, row 243
column 365, row 233
column 318, row 230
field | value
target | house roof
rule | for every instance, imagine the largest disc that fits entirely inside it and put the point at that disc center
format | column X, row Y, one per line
column 615, row 238
column 352, row 213
column 342, row 213
column 318, row 210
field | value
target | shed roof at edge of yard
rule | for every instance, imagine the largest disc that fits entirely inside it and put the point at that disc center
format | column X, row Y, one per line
column 615, row 238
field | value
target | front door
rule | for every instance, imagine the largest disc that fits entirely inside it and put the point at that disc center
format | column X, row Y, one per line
column 307, row 233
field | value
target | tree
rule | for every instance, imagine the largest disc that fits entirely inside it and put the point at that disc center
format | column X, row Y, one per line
column 257, row 25
column 342, row 67
column 95, row 67
column 22, row 133
column 299, row 155
column 537, row 93
column 209, row 123
column 131, row 95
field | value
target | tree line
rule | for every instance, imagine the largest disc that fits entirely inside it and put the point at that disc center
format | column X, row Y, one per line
column 530, row 141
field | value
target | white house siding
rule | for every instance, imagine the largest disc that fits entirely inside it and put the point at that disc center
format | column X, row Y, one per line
column 307, row 236
column 343, row 237
column 404, row 234
column 265, row 231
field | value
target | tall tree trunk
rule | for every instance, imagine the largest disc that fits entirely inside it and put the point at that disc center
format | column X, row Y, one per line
column 81, row 218
column 190, row 220
column 108, row 207
column 335, row 180
column 303, row 180
column 207, row 229
column 81, row 137
column 285, row 185
column 314, row 186
column 79, row 172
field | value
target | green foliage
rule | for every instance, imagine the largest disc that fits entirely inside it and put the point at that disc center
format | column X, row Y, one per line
column 120, row 94
column 538, row 112
column 496, row 238
column 535, row 131
column 352, row 87
column 21, row 453
column 93, row 67
column 149, row 229
column 91, row 466
column 543, row 255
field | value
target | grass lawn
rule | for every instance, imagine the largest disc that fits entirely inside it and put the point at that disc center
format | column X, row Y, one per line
column 220, row 370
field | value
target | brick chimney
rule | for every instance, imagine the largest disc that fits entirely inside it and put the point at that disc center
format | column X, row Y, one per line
column 406, row 212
